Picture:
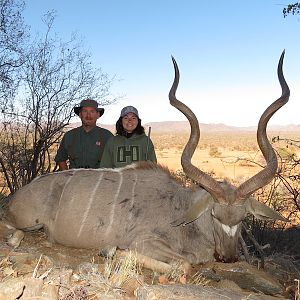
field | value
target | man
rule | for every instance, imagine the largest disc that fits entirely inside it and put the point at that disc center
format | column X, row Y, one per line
column 83, row 146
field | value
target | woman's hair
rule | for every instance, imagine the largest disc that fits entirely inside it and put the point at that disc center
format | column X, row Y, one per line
column 121, row 131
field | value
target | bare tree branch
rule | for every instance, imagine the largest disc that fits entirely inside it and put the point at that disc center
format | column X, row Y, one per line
column 54, row 76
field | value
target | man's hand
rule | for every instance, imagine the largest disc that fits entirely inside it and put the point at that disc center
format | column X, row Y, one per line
column 63, row 166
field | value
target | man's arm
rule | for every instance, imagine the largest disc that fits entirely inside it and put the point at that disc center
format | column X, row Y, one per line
column 107, row 156
column 62, row 155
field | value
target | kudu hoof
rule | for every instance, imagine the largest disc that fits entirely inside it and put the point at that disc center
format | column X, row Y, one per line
column 16, row 238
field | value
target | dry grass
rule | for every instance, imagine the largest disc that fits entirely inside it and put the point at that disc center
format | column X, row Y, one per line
column 118, row 270
column 199, row 279
column 228, row 155
column 233, row 155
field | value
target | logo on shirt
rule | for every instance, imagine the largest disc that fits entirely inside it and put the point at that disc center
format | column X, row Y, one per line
column 98, row 143
column 131, row 152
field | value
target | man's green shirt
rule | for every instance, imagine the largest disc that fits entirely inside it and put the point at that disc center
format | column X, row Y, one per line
column 121, row 151
column 83, row 149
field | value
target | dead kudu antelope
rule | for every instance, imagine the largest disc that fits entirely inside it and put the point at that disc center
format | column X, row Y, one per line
column 142, row 208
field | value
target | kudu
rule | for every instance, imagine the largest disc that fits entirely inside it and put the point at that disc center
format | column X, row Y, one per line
column 142, row 207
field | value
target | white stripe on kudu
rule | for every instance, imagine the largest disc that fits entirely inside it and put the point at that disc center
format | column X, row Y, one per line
column 89, row 205
column 133, row 194
column 74, row 177
column 61, row 196
column 112, row 213
column 50, row 192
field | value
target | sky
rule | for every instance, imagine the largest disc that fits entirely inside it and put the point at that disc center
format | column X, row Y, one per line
column 227, row 53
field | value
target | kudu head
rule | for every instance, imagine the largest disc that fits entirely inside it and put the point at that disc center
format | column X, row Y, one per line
column 228, row 204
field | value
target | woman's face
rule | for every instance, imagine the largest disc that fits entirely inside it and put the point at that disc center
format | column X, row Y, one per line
column 130, row 122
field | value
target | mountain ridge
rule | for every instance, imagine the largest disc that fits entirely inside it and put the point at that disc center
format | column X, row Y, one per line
column 184, row 127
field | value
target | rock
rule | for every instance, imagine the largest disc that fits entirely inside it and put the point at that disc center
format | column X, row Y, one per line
column 25, row 263
column 50, row 292
column 33, row 288
column 88, row 268
column 65, row 277
column 209, row 274
column 77, row 293
column 11, row 289
column 194, row 292
column 55, row 276
column 132, row 284
column 247, row 277
column 228, row 284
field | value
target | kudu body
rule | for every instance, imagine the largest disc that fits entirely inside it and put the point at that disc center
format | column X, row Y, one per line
column 141, row 207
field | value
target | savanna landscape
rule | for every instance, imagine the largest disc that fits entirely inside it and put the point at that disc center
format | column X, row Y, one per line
column 45, row 71
column 232, row 154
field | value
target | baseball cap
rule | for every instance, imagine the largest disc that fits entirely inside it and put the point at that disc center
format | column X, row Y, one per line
column 129, row 109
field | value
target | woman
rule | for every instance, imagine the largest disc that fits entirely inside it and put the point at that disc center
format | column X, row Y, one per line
column 130, row 144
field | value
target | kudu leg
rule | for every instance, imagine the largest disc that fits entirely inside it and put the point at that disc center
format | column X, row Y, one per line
column 146, row 261
column 12, row 235
column 155, row 254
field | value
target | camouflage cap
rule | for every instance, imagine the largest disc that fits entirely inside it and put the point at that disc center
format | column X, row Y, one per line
column 129, row 109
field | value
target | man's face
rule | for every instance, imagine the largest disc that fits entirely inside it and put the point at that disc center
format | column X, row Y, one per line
column 89, row 116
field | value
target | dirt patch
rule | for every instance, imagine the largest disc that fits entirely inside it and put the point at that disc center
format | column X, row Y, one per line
column 85, row 272
column 61, row 256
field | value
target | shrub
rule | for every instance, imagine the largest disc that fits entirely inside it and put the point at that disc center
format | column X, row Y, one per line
column 214, row 151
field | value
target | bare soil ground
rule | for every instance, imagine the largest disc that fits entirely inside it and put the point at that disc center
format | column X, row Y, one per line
column 84, row 270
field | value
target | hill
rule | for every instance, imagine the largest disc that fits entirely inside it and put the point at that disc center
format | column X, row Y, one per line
column 184, row 127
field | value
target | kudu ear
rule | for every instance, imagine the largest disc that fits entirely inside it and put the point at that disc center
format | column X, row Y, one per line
column 195, row 211
column 262, row 211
